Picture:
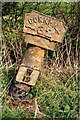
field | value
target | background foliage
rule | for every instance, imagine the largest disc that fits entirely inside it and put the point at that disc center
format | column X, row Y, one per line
column 56, row 92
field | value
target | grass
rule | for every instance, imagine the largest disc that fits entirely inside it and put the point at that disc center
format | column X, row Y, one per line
column 56, row 93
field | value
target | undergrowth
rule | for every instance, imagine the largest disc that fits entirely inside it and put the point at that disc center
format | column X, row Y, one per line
column 56, row 93
column 56, row 97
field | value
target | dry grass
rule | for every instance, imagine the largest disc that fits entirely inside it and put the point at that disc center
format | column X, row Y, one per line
column 56, row 91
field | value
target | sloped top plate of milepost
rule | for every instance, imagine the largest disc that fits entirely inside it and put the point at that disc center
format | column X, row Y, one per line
column 44, row 26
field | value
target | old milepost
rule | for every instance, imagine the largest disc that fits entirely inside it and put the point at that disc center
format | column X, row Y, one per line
column 42, row 33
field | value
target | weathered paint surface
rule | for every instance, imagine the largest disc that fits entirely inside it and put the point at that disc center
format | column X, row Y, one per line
column 44, row 27
column 42, row 31
column 39, row 41
column 30, row 66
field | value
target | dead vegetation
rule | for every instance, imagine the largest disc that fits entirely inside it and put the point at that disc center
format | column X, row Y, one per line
column 56, row 91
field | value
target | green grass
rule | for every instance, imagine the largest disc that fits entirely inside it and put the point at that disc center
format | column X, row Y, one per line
column 9, row 114
column 56, row 91
column 55, row 99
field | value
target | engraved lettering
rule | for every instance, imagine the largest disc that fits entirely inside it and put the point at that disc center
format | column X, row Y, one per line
column 40, row 30
column 49, row 32
column 30, row 20
column 46, row 20
column 50, row 22
column 57, row 30
column 43, row 26
column 40, row 19
column 35, row 19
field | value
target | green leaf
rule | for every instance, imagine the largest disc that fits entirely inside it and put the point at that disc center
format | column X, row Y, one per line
column 54, row 54
column 67, row 108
